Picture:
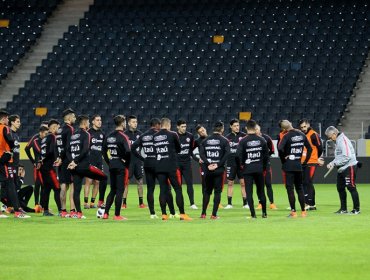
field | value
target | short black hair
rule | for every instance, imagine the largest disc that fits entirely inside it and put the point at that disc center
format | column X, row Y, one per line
column 95, row 116
column 154, row 122
column 43, row 128
column 44, row 123
column 21, row 165
column 52, row 121
column 3, row 113
column 180, row 122
column 82, row 118
column 67, row 112
column 199, row 126
column 119, row 119
column 234, row 121
column 12, row 118
column 251, row 125
column 218, row 126
column 303, row 121
column 131, row 117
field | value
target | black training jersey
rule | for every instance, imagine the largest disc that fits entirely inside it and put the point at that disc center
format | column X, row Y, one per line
column 49, row 151
column 291, row 149
column 214, row 149
column 16, row 149
column 252, row 154
column 195, row 154
column 35, row 144
column 96, row 146
column 78, row 148
column 234, row 139
column 166, row 147
column 187, row 146
column 133, row 135
column 145, row 145
column 270, row 145
column 118, row 146
column 63, row 136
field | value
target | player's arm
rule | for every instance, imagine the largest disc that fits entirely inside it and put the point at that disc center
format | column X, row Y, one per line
column 316, row 141
column 136, row 148
column 270, row 145
column 125, row 148
column 177, row 143
column 309, row 150
column 27, row 149
column 239, row 155
column 226, row 154
column 105, row 151
column 8, row 137
column 265, row 154
column 281, row 148
column 202, row 154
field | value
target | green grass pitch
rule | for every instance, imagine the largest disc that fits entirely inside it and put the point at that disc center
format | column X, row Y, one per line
column 321, row 246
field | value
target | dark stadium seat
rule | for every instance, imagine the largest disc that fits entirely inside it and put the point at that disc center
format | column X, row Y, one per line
column 156, row 58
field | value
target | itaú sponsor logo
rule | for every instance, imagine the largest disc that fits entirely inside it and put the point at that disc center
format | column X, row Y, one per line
column 147, row 138
column 160, row 138
column 213, row 142
column 297, row 138
column 254, row 143
column 75, row 136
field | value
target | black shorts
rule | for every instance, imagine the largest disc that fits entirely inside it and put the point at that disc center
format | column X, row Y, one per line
column 136, row 169
column 64, row 174
column 232, row 172
column 99, row 165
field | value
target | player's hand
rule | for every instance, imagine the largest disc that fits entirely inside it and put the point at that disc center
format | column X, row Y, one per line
column 72, row 165
column 201, row 161
column 58, row 162
column 330, row 165
column 321, row 161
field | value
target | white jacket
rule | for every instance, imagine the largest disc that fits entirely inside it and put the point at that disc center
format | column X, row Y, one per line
column 345, row 155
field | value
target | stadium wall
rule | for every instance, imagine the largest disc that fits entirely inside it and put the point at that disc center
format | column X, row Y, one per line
column 362, row 176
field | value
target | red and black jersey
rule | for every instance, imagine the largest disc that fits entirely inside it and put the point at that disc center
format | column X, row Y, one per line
column 49, row 151
column 96, row 146
column 234, row 139
column 291, row 149
column 253, row 154
column 78, row 148
column 35, row 144
column 118, row 145
column 145, row 144
column 214, row 149
column 63, row 136
column 133, row 135
column 16, row 149
column 166, row 146
column 187, row 146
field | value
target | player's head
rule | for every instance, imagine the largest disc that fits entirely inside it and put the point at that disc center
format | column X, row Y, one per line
column 21, row 170
column 155, row 123
column 166, row 123
column 69, row 116
column 201, row 130
column 120, row 121
column 96, row 121
column 181, row 126
column 285, row 125
column 132, row 122
column 4, row 117
column 83, row 121
column 218, row 127
column 235, row 125
column 332, row 133
column 43, row 131
column 45, row 123
column 251, row 126
column 53, row 126
column 15, row 122
column 258, row 129
column 304, row 125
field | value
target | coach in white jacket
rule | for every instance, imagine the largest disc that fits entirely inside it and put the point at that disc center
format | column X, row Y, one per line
column 346, row 163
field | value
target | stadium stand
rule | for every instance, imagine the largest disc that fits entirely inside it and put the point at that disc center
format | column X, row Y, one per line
column 278, row 59
column 22, row 25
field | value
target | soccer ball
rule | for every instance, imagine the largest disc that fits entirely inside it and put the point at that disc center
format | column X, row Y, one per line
column 100, row 212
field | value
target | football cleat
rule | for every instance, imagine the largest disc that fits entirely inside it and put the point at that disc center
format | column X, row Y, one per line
column 229, row 206
column 3, row 216
column 86, row 206
column 174, row 216
column 20, row 215
column 142, row 206
column 105, row 216
column 214, row 217
column 340, row 212
column 259, row 206
column 124, row 206
column 164, row 217
column 38, row 208
column 154, row 216
column 273, row 206
column 203, row 216
column 293, row 214
column 354, row 212
column 264, row 215
column 119, row 218
column 194, row 207
column 246, row 206
column 304, row 214
column 47, row 214
column 185, row 217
